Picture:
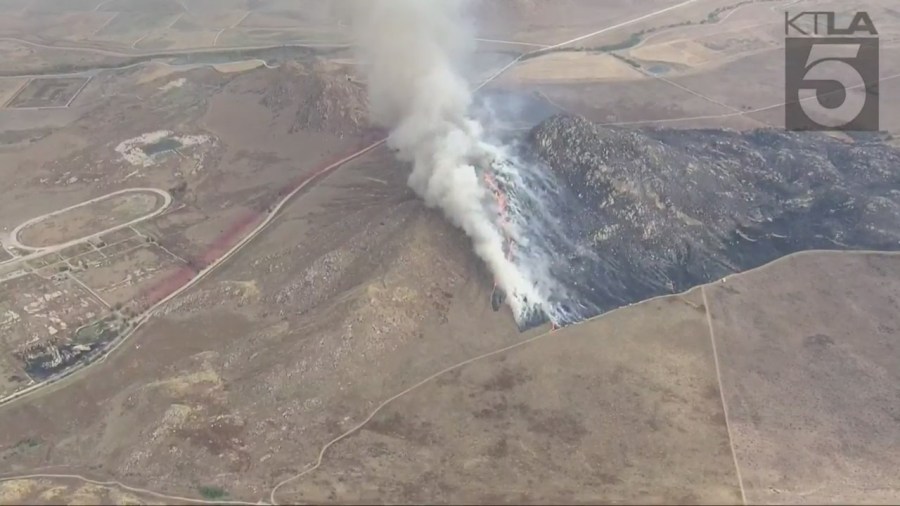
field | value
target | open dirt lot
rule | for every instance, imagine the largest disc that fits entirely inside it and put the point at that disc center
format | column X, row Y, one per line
column 648, row 428
column 9, row 88
column 571, row 68
column 47, row 93
column 121, row 281
column 809, row 376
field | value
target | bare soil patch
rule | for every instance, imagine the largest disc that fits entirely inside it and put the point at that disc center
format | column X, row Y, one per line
column 571, row 67
column 47, row 92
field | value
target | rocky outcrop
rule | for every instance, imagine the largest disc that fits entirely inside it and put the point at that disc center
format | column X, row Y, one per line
column 320, row 97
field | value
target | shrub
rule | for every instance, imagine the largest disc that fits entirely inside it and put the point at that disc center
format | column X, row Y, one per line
column 212, row 493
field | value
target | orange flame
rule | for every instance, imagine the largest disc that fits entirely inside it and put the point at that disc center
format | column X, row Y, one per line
column 502, row 208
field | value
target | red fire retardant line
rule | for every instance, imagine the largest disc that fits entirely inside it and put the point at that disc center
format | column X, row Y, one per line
column 500, row 197
column 232, row 234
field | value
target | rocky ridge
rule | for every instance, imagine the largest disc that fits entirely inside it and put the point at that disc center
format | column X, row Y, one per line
column 667, row 209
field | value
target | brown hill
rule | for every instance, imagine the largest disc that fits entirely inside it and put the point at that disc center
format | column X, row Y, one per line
column 332, row 101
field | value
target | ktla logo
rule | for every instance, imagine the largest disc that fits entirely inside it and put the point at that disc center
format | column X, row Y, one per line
column 831, row 72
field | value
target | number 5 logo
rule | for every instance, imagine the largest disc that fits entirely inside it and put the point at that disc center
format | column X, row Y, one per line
column 829, row 72
column 831, row 83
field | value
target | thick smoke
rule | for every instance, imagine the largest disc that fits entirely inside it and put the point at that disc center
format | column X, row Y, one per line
column 413, row 51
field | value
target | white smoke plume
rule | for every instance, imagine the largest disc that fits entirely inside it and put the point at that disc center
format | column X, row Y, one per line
column 413, row 51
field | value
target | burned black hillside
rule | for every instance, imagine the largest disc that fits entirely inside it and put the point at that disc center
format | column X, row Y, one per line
column 668, row 209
